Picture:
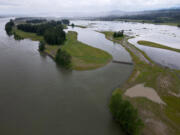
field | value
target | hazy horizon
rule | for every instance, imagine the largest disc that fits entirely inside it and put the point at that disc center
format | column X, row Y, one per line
column 62, row 8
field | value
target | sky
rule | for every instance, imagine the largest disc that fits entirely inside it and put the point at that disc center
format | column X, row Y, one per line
column 81, row 7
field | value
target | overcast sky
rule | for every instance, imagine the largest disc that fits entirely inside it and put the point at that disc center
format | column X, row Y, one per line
column 60, row 7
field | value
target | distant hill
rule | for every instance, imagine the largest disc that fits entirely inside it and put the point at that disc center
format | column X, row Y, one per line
column 171, row 15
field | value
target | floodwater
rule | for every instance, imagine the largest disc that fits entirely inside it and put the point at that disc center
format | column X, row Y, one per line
column 39, row 98
column 99, row 40
column 162, row 34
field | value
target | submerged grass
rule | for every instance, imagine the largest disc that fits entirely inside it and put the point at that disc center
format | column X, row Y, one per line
column 156, row 45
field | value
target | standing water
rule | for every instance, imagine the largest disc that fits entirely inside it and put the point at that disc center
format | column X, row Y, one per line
column 162, row 34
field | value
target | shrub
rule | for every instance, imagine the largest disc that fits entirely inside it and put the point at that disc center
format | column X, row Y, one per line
column 63, row 59
column 41, row 46
column 118, row 34
column 126, row 115
column 179, row 25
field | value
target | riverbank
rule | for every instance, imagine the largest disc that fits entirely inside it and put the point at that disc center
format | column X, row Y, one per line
column 156, row 45
column 84, row 57
column 158, row 118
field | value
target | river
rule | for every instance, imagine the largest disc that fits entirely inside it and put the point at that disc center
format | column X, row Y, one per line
column 39, row 98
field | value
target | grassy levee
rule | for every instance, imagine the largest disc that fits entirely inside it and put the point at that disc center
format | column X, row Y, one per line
column 165, row 82
column 84, row 57
column 156, row 45
column 28, row 35
column 81, row 26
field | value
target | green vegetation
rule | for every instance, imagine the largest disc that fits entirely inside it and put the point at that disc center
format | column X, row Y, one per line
column 83, row 56
column 151, row 44
column 51, row 31
column 178, row 25
column 9, row 27
column 63, row 58
column 126, row 115
column 41, row 46
column 110, row 35
column 118, row 34
column 28, row 35
column 80, row 26
column 35, row 21
column 163, row 80
column 55, row 36
column 73, row 25
column 65, row 21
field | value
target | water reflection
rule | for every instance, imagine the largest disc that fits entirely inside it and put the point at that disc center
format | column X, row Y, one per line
column 37, row 97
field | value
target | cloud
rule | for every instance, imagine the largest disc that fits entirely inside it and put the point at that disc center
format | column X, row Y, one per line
column 54, row 7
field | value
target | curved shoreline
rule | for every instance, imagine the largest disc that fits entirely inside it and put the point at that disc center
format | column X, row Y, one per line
column 99, row 59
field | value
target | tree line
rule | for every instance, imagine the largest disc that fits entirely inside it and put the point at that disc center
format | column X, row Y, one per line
column 36, row 21
column 52, row 31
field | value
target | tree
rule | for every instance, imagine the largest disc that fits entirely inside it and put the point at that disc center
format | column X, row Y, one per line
column 126, row 115
column 9, row 27
column 73, row 25
column 63, row 59
column 55, row 36
column 41, row 46
column 118, row 34
column 51, row 31
column 65, row 21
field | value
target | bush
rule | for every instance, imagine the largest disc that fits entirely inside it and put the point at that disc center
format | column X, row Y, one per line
column 41, row 46
column 126, row 115
column 179, row 25
column 118, row 34
column 9, row 27
column 63, row 59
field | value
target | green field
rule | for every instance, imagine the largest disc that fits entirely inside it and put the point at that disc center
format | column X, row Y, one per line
column 156, row 45
column 84, row 57
column 28, row 35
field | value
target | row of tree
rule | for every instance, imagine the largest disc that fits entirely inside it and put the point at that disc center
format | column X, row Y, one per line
column 9, row 26
column 118, row 34
column 126, row 115
column 36, row 21
column 52, row 32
